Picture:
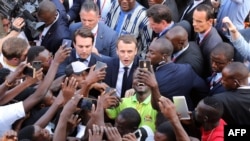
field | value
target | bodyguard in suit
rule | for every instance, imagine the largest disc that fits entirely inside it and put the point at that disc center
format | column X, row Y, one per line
column 174, row 79
column 105, row 37
column 221, row 56
column 185, row 52
column 120, row 70
column 55, row 29
column 207, row 35
column 82, row 51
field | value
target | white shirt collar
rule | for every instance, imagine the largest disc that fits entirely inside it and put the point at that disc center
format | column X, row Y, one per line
column 122, row 66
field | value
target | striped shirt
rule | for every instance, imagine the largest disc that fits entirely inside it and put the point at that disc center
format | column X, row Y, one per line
column 135, row 22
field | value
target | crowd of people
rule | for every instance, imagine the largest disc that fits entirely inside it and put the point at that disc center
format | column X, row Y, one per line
column 110, row 69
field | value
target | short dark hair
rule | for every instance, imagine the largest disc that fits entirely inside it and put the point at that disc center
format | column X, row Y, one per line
column 85, row 33
column 33, row 52
column 132, row 116
column 14, row 47
column 167, row 129
column 26, row 132
column 237, row 70
column 127, row 39
column 159, row 12
column 217, row 106
column 208, row 9
column 90, row 5
column 224, row 48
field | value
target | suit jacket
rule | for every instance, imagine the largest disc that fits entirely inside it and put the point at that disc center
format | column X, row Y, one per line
column 236, row 106
column 72, row 58
column 75, row 9
column 180, row 80
column 57, row 32
column 112, row 72
column 105, row 40
column 193, row 56
column 217, row 87
column 207, row 45
column 171, row 4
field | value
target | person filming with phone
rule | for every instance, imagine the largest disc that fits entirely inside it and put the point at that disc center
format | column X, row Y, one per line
column 83, row 43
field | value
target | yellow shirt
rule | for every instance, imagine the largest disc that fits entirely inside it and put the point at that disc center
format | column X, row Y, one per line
column 145, row 109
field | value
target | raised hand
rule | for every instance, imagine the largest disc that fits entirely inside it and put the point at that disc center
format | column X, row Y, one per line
column 113, row 134
column 69, row 88
column 96, row 133
column 61, row 54
column 96, row 75
column 129, row 137
column 10, row 135
column 167, row 108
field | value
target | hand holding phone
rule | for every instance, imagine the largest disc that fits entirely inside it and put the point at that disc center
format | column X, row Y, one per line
column 67, row 43
column 99, row 65
column 29, row 71
column 37, row 65
column 145, row 64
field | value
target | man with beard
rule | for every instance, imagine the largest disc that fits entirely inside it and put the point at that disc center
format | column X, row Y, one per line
column 141, row 101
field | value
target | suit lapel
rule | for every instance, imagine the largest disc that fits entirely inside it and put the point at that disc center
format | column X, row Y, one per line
column 115, row 70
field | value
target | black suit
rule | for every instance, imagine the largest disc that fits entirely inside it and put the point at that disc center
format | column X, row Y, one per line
column 193, row 56
column 113, row 70
column 56, row 33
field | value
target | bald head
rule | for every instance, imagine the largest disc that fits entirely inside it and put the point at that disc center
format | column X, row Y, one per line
column 47, row 12
column 46, row 6
column 237, row 70
column 163, row 45
column 178, row 36
column 177, row 31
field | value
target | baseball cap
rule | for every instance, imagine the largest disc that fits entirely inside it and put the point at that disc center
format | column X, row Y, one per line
column 76, row 67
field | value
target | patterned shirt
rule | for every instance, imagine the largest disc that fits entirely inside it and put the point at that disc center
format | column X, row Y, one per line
column 133, row 22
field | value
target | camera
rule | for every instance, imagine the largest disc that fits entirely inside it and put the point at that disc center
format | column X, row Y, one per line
column 86, row 103
column 25, row 9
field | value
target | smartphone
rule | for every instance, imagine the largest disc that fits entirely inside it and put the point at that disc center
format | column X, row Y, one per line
column 67, row 43
column 29, row 71
column 99, row 65
column 146, row 64
column 181, row 107
column 37, row 65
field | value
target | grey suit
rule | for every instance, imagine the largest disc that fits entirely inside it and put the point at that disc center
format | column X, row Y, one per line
column 105, row 40
column 207, row 45
column 171, row 4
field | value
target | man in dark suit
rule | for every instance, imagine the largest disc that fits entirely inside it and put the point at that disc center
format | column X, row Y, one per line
column 236, row 99
column 105, row 37
column 185, row 52
column 82, row 51
column 174, row 79
column 188, row 13
column 221, row 56
column 126, row 61
column 55, row 26
column 207, row 35
column 160, row 20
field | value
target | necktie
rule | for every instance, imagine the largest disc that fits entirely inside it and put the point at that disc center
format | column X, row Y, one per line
column 198, row 40
column 124, row 81
column 82, row 60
